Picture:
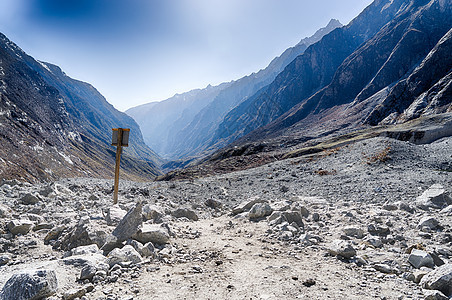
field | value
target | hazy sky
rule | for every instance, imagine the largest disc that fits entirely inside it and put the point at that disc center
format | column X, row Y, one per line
column 137, row 51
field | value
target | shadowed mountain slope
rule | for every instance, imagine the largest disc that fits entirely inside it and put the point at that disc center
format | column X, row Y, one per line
column 54, row 126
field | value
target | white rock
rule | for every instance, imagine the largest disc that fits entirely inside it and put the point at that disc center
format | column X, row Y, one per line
column 124, row 254
column 154, row 233
column 434, row 295
column 5, row 211
column 435, row 197
column 114, row 215
column 82, row 250
column 246, row 205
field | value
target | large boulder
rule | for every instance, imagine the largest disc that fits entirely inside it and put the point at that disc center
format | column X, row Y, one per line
column 152, row 212
column 84, row 233
column 246, row 205
column 30, row 199
column 259, row 211
column 20, row 226
column 434, row 197
column 439, row 279
column 154, row 233
column 114, row 215
column 341, row 248
column 122, row 255
column 30, row 285
column 419, row 258
column 185, row 213
column 129, row 224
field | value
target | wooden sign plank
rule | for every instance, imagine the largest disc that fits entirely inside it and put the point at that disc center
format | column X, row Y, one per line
column 125, row 137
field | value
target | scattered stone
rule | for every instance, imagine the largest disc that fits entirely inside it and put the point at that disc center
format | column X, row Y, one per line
column 185, row 213
column 259, row 211
column 434, row 197
column 341, row 248
column 37, row 284
column 434, row 295
column 246, row 205
column 114, row 215
column 87, row 272
column 390, row 206
column 309, row 282
column 5, row 211
column 353, row 231
column 154, row 233
column 384, row 268
column 406, row 207
column 419, row 274
column 54, row 233
column 30, row 199
column 374, row 242
column 5, row 258
column 74, row 293
column 315, row 217
column 439, row 279
column 419, row 258
column 428, row 223
column 377, row 229
column 20, row 226
column 122, row 255
column 152, row 212
column 212, row 203
column 83, row 250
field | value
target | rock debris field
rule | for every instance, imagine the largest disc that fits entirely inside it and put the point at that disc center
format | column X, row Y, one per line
column 369, row 220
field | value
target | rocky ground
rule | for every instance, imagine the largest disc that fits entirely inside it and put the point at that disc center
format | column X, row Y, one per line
column 370, row 220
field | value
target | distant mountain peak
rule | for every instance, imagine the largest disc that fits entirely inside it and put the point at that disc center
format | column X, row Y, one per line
column 317, row 36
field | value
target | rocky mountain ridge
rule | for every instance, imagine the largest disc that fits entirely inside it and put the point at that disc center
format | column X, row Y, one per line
column 53, row 126
column 404, row 33
column 187, row 128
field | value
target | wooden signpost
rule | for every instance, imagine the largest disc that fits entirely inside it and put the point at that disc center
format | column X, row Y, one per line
column 120, row 138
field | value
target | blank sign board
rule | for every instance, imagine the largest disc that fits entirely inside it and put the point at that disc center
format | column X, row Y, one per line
column 125, row 137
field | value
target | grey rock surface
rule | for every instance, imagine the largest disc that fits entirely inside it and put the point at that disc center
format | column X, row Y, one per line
column 419, row 258
column 440, row 279
column 30, row 285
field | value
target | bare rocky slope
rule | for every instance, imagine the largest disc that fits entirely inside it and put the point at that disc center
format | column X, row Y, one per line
column 184, row 125
column 368, row 220
column 396, row 66
column 53, row 126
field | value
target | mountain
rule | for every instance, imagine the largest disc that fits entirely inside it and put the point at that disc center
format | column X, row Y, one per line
column 387, row 73
column 185, row 124
column 54, row 126
column 160, row 121
column 371, row 69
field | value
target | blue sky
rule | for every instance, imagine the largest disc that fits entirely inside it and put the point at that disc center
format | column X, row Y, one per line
column 138, row 51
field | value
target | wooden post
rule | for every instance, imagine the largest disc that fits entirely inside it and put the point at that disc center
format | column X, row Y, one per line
column 118, row 159
column 120, row 139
